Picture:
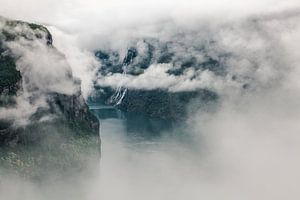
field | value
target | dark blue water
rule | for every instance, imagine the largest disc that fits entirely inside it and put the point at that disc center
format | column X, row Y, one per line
column 134, row 126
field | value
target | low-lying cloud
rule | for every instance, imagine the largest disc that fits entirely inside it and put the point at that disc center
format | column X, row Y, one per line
column 253, row 53
column 43, row 68
column 246, row 148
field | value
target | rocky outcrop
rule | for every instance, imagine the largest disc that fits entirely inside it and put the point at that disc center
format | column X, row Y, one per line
column 39, row 121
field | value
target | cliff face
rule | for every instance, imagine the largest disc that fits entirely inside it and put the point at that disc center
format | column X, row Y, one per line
column 42, row 111
column 156, row 103
column 144, row 97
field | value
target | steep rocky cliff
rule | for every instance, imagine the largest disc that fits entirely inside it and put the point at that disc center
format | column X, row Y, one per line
column 45, row 123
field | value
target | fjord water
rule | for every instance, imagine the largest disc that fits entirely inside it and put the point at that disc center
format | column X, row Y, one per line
column 142, row 157
column 133, row 127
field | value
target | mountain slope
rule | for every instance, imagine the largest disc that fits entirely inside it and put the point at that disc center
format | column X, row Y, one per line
column 45, row 123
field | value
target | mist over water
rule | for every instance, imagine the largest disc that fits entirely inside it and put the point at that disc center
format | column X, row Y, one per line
column 244, row 146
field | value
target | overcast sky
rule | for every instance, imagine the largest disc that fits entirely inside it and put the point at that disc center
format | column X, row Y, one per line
column 252, row 140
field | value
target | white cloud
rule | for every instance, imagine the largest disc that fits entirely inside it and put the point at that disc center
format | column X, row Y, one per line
column 44, row 70
column 246, row 149
column 157, row 77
